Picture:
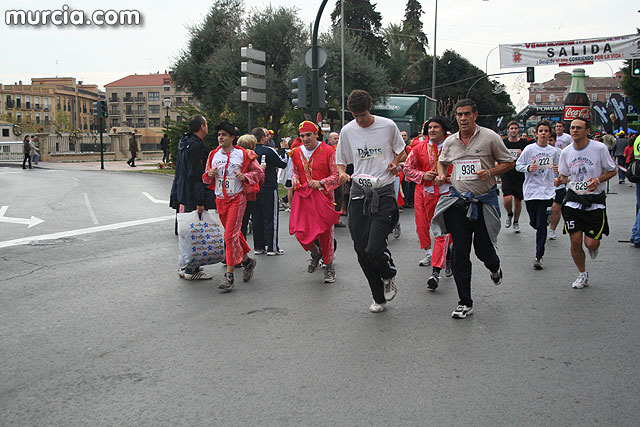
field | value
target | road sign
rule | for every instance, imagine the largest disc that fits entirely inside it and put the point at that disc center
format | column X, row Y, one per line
column 251, row 53
column 253, row 82
column 255, row 97
column 253, row 68
column 322, row 57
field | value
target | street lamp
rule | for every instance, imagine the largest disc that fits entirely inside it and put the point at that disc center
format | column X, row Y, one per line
column 167, row 104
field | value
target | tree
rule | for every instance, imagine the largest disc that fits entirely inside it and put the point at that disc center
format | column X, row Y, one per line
column 281, row 34
column 208, row 68
column 630, row 85
column 412, row 27
column 361, row 72
column 402, row 71
column 455, row 76
column 362, row 20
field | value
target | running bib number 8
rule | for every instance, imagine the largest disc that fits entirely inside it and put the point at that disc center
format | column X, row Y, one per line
column 365, row 181
column 466, row 169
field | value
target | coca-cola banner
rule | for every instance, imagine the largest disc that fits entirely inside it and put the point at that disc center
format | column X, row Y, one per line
column 603, row 115
column 616, row 104
column 570, row 52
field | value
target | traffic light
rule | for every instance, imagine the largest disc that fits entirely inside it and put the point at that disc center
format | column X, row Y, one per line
column 635, row 67
column 322, row 92
column 530, row 75
column 299, row 92
column 103, row 109
column 96, row 109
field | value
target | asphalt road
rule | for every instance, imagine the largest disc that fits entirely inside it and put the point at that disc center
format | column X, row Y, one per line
column 97, row 329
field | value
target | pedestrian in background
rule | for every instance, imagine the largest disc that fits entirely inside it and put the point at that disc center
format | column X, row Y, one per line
column 618, row 153
column 133, row 149
column 164, row 145
column 27, row 146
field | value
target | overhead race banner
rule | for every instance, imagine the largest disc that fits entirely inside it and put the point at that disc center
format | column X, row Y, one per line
column 570, row 52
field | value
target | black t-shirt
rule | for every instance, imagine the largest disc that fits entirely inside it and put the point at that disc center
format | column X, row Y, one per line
column 513, row 174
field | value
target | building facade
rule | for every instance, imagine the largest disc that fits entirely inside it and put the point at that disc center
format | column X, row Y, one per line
column 553, row 92
column 144, row 101
column 50, row 104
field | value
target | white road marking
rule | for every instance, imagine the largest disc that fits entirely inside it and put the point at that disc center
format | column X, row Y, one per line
column 75, row 179
column 81, row 231
column 154, row 200
column 33, row 221
column 92, row 214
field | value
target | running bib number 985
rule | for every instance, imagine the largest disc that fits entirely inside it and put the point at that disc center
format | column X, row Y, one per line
column 366, row 181
column 466, row 170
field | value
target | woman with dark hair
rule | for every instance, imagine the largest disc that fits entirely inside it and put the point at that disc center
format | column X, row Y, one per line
column 27, row 147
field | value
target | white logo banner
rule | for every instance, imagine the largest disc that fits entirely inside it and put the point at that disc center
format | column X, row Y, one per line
column 570, row 52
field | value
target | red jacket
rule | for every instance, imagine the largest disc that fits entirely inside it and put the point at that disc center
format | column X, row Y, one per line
column 321, row 166
column 255, row 177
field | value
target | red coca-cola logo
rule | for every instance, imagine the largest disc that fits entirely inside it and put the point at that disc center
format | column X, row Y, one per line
column 573, row 112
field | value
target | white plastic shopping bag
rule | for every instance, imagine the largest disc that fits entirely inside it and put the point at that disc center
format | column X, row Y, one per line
column 201, row 240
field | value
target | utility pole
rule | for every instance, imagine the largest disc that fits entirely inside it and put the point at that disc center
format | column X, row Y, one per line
column 314, row 64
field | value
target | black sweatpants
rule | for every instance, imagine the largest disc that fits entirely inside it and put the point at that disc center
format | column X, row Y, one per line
column 27, row 156
column 464, row 232
column 265, row 220
column 369, row 234
column 537, row 210
column 248, row 212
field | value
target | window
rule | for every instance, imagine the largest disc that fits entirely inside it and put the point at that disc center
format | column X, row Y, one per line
column 608, row 95
column 178, row 101
column 594, row 97
column 538, row 98
column 128, row 111
column 154, row 96
column 115, row 122
column 140, row 110
column 114, row 97
column 6, row 148
column 154, row 109
column 19, row 117
column 37, row 118
column 167, row 88
column 179, row 119
column 5, row 134
column 46, row 119
column 27, row 101
column 18, row 101
column 191, row 100
column 140, row 123
column 36, row 102
column 154, row 123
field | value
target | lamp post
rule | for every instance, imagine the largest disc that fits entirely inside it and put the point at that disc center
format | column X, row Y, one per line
column 167, row 104
column 433, row 71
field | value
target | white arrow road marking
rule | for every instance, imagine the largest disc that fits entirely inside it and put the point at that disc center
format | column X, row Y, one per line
column 90, row 230
column 30, row 222
column 92, row 214
column 154, row 200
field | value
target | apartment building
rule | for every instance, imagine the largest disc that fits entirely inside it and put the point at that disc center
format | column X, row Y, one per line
column 50, row 103
column 144, row 101
column 553, row 92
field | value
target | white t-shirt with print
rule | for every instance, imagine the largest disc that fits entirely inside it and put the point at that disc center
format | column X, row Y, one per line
column 582, row 165
column 563, row 141
column 538, row 185
column 370, row 149
column 231, row 183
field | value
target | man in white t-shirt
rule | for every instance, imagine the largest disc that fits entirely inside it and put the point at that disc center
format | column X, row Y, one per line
column 538, row 162
column 563, row 140
column 584, row 167
column 374, row 146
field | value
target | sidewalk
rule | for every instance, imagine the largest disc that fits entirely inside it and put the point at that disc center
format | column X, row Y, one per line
column 115, row 165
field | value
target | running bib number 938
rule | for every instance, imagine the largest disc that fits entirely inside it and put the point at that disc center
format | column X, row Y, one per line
column 466, row 169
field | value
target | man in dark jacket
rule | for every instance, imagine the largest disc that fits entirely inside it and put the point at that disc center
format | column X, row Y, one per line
column 188, row 192
column 265, row 210
column 164, row 145
column 133, row 148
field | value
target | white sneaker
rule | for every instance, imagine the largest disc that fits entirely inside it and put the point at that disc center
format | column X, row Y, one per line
column 461, row 312
column 274, row 253
column 593, row 253
column 376, row 308
column 552, row 234
column 426, row 261
column 259, row 252
column 581, row 281
column 390, row 289
column 508, row 221
column 397, row 231
column 516, row 227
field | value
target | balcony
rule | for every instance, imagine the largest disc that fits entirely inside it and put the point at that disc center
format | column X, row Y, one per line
column 114, row 98
column 128, row 99
column 129, row 113
column 115, row 112
column 36, row 107
column 140, row 98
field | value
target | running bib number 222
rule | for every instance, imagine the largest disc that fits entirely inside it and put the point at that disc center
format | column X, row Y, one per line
column 466, row 170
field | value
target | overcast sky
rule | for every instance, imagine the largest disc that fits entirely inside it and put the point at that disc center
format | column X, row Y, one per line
column 471, row 27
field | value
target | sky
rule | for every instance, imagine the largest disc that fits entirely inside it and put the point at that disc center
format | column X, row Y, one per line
column 473, row 28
